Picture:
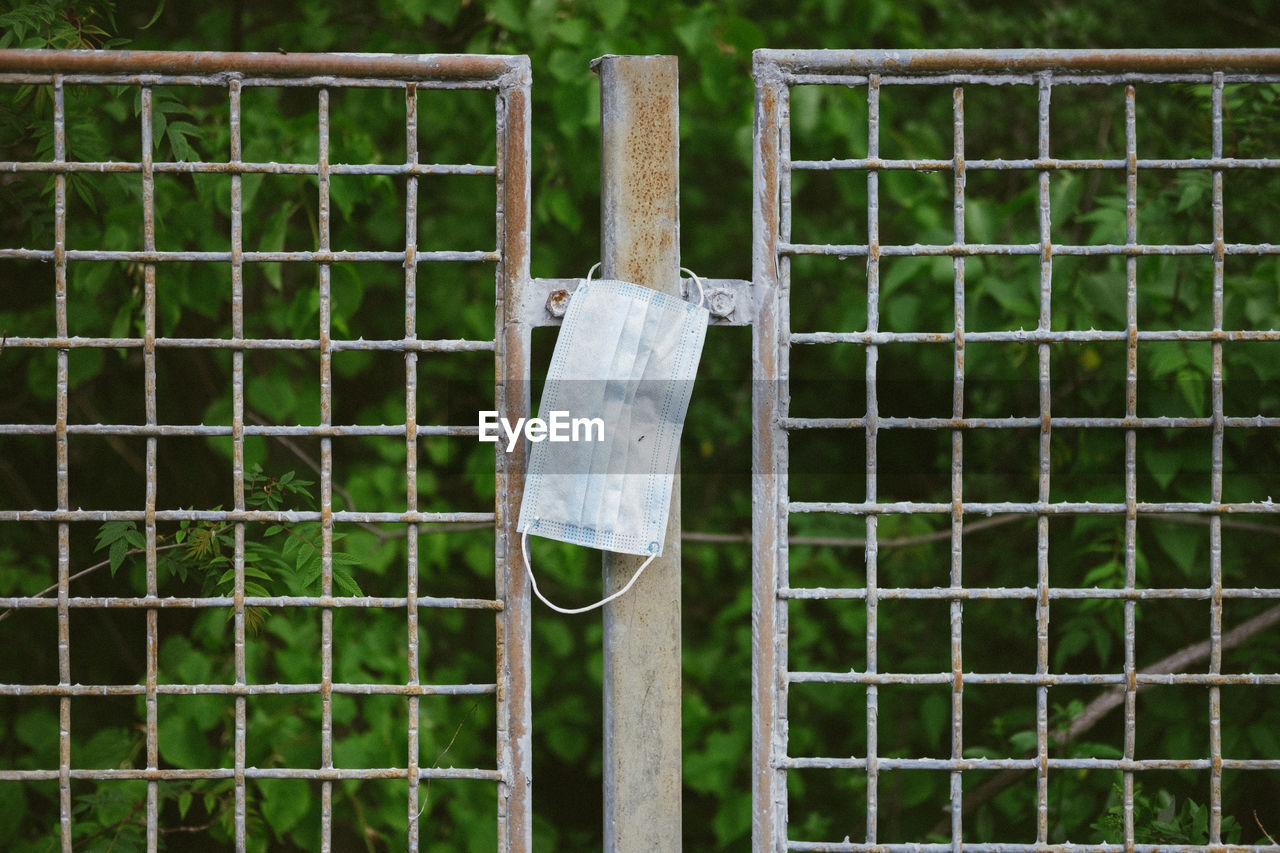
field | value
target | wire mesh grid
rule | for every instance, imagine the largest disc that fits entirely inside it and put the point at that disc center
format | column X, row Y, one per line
column 251, row 349
column 896, row 724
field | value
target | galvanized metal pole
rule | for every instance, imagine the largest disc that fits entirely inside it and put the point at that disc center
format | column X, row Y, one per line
column 640, row 217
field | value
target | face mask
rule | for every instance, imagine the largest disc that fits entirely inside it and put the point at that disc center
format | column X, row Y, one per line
column 619, row 384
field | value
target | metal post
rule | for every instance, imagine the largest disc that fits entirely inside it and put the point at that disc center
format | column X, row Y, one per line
column 640, row 219
column 769, row 469
column 511, row 396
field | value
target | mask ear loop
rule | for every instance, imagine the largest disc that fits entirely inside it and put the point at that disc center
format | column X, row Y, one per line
column 702, row 295
column 570, row 611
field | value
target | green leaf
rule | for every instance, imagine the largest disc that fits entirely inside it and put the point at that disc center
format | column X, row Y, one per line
column 444, row 11
column 284, row 804
column 177, row 134
column 183, row 743
column 572, row 30
column 37, row 729
column 1072, row 643
column 935, row 717
column 510, row 15
column 1106, row 574
column 611, row 12
column 1192, row 384
column 155, row 16
column 119, row 550
column 563, row 209
column 108, row 749
column 1024, row 741
column 111, row 531
column 228, row 577
column 13, row 806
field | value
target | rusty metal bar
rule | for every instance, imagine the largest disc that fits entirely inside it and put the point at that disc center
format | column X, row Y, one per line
column 326, row 483
column 289, row 689
column 149, row 522
column 236, row 343
column 1215, row 478
column 1044, row 443
column 796, row 424
column 728, row 300
column 870, row 444
column 640, row 243
column 254, row 601
column 899, row 165
column 411, row 454
column 511, row 397
column 289, row 516
column 1126, row 250
column 768, row 473
column 320, row 257
column 398, row 67
column 64, row 529
column 1130, row 456
column 1069, row 77
column 334, row 775
column 959, row 170
column 237, row 463
column 240, row 167
column 903, row 63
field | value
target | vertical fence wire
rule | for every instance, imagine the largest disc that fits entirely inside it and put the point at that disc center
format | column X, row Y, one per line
column 957, row 467
column 64, row 499
column 1130, row 457
column 1215, row 474
column 872, row 480
column 236, row 153
column 411, row 443
column 1043, row 468
column 149, row 381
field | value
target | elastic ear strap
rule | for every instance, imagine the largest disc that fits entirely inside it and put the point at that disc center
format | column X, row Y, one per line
column 702, row 294
column 524, row 549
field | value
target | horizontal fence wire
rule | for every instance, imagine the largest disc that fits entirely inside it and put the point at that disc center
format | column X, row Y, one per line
column 865, row 807
column 230, row 77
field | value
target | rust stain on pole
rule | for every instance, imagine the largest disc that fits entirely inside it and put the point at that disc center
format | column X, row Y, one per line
column 640, row 219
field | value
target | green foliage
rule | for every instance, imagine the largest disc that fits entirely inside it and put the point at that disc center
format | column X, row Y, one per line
column 1162, row 822
column 714, row 41
column 60, row 25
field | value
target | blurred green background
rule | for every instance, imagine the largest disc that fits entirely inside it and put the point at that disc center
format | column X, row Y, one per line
column 714, row 42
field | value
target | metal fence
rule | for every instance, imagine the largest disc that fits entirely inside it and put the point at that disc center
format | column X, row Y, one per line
column 860, row 84
column 150, row 75
column 876, row 335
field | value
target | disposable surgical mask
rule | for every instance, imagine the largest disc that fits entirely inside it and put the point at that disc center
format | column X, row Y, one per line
column 627, row 355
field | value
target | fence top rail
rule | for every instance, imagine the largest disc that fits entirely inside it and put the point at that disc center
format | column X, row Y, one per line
column 419, row 67
column 905, row 62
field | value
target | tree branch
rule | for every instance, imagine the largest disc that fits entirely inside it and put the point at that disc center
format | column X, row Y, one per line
column 1096, row 710
column 132, row 552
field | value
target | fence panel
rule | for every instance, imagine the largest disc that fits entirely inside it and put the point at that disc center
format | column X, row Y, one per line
column 316, row 637
column 1008, row 367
